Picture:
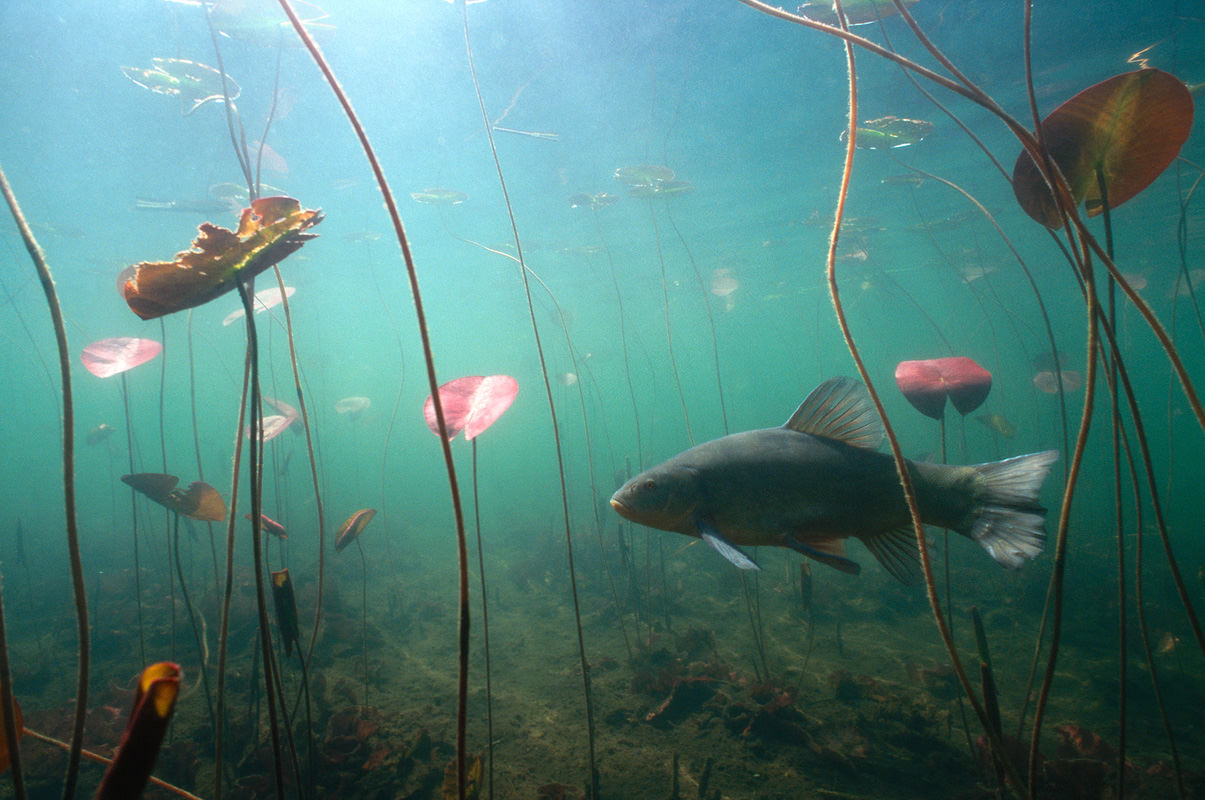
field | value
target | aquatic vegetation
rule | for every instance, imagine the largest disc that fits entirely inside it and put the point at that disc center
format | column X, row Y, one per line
column 268, row 232
column 889, row 132
column 199, row 501
column 351, row 528
column 472, row 404
column 928, row 383
column 1115, row 137
column 264, row 300
column 108, row 357
column 195, row 84
column 791, row 689
column 352, row 406
column 439, row 197
column 154, row 702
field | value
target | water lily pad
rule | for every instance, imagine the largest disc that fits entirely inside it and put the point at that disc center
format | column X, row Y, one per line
column 351, row 528
column 887, row 132
column 643, row 174
column 269, row 231
column 108, row 357
column 1129, row 127
column 857, row 12
column 194, row 83
column 471, row 404
column 199, row 501
column 439, row 197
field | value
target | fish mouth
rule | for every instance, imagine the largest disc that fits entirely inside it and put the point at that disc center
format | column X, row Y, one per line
column 620, row 508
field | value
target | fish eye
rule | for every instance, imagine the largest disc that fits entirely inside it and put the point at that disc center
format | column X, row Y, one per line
column 649, row 485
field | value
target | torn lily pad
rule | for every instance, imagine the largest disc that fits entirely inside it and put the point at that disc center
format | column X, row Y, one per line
column 268, row 232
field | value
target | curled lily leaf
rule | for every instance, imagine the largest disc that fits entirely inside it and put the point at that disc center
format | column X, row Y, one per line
column 269, row 231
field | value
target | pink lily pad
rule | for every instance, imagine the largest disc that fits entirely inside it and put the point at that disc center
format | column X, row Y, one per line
column 472, row 404
column 108, row 357
column 927, row 383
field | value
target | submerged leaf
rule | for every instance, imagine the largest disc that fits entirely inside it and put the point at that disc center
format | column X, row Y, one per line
column 1129, row 127
column 270, row 230
column 154, row 702
column 350, row 529
column 199, row 501
column 108, row 357
column 471, row 404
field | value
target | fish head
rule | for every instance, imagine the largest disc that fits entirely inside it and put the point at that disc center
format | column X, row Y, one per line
column 663, row 497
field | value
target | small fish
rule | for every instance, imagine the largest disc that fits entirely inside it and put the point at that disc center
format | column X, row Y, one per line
column 1167, row 644
column 271, row 526
column 999, row 424
column 99, row 433
column 818, row 480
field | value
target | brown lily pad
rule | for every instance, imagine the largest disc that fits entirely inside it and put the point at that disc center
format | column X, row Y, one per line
column 199, row 501
column 1129, row 127
column 269, row 231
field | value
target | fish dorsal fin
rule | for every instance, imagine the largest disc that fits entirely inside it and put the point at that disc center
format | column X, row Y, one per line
column 896, row 551
column 840, row 408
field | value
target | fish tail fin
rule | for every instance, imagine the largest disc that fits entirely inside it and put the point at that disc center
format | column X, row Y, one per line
column 1009, row 522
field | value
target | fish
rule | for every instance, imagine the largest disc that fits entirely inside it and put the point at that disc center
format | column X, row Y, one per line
column 819, row 479
column 999, row 424
column 1167, row 643
column 99, row 433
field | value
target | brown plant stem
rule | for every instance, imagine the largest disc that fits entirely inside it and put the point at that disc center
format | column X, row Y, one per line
column 73, row 551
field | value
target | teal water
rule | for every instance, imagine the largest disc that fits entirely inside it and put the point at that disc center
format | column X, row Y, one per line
column 850, row 696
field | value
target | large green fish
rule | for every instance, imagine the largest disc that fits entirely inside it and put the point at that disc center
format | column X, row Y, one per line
column 819, row 480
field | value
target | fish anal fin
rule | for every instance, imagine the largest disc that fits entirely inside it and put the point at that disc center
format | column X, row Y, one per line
column 840, row 409
column 896, row 551
column 826, row 551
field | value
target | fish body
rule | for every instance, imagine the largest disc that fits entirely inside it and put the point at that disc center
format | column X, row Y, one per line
column 818, row 480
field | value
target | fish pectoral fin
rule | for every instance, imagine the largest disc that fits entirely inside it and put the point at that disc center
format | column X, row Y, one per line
column 727, row 549
column 826, row 551
column 896, row 551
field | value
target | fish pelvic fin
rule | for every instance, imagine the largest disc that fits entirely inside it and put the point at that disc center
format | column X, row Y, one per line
column 1009, row 522
column 829, row 551
column 896, row 551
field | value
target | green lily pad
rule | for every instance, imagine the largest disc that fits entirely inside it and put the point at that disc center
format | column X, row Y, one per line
column 643, row 175
column 1129, row 127
column 439, row 197
column 857, row 12
column 269, row 231
column 887, row 132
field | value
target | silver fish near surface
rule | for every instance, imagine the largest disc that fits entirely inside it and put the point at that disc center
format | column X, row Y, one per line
column 819, row 480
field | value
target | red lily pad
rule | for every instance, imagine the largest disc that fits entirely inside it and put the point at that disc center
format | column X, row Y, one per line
column 928, row 383
column 350, row 529
column 471, row 404
column 270, row 230
column 108, row 357
column 1130, row 127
